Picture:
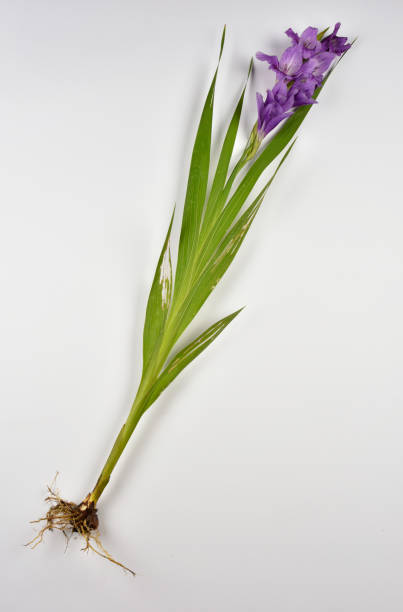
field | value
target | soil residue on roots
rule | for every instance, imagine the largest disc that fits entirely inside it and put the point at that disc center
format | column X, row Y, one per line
column 70, row 518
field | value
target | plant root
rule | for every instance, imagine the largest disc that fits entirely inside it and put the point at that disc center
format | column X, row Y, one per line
column 70, row 518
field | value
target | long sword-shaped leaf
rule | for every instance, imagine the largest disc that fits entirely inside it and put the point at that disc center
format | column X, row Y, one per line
column 218, row 265
column 209, row 254
column 197, row 186
column 159, row 300
column 216, row 200
column 184, row 357
column 234, row 205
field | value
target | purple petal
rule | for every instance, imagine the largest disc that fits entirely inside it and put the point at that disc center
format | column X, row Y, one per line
column 283, row 95
column 310, row 43
column 291, row 61
column 302, row 98
column 280, row 91
column 335, row 44
column 272, row 60
column 260, row 103
column 309, row 37
column 302, row 91
column 293, row 35
column 317, row 65
column 270, row 125
column 336, row 28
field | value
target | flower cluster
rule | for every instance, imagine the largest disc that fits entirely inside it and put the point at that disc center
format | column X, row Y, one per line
column 300, row 70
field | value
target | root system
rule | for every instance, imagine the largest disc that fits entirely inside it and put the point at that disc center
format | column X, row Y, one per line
column 70, row 518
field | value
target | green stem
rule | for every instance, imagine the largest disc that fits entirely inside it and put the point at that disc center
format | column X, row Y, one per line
column 140, row 403
column 139, row 406
column 122, row 439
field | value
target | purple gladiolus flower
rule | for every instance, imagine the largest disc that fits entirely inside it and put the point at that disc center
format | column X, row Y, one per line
column 293, row 35
column 282, row 95
column 300, row 70
column 274, row 109
column 335, row 44
column 289, row 64
column 302, row 91
column 316, row 66
column 308, row 41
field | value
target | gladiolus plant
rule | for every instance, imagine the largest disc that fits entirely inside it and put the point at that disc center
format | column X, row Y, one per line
column 214, row 224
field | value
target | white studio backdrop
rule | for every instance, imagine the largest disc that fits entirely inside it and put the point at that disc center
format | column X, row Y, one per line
column 268, row 477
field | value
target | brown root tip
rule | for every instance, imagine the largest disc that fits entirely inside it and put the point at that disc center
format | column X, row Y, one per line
column 70, row 518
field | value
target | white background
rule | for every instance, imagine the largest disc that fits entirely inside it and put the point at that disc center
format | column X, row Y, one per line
column 269, row 476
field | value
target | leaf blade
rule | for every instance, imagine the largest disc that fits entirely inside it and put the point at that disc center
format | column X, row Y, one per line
column 159, row 300
column 217, row 266
column 219, row 190
column 197, row 185
column 186, row 356
column 274, row 148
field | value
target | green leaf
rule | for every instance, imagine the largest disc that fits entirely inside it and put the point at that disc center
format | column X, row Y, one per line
column 322, row 33
column 184, row 357
column 211, row 251
column 219, row 189
column 197, row 186
column 218, row 264
column 159, row 301
column 275, row 146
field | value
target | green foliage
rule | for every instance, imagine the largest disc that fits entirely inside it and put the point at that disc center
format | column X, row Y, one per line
column 185, row 356
column 159, row 301
column 215, row 223
column 196, row 187
column 212, row 231
column 221, row 187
